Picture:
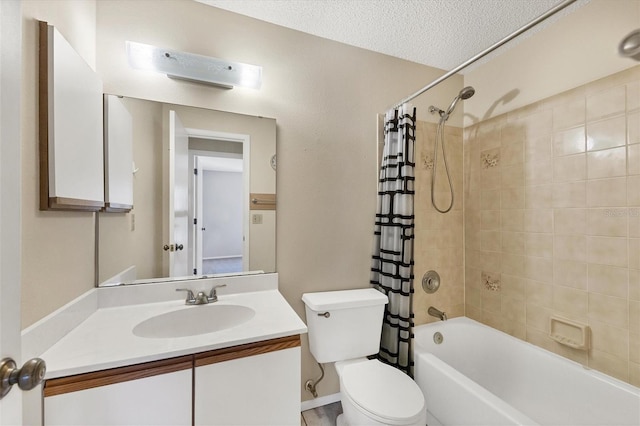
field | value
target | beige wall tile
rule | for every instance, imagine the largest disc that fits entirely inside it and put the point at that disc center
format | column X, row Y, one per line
column 634, row 374
column 609, row 310
column 607, row 192
column 512, row 152
column 513, row 264
column 538, row 317
column 572, row 194
column 634, row 222
column 633, row 128
column 634, row 347
column 490, row 240
column 572, row 141
column 570, row 273
column 512, row 220
column 633, row 159
column 539, row 293
column 607, row 251
column 634, row 253
column 512, row 176
column 607, row 163
column 539, row 220
column 634, row 284
column 538, row 172
column 607, row 222
column 569, row 221
column 611, row 365
column 633, row 96
column 608, row 280
column 634, row 316
column 538, row 268
column 492, row 261
column 538, row 197
column 512, row 198
column 538, row 149
column 605, row 103
column 490, row 219
column 570, row 168
column 570, row 301
column 512, row 242
column 570, row 247
column 539, row 338
column 539, row 245
column 513, row 287
column 569, row 114
column 633, row 193
column 490, row 200
column 609, row 339
column 607, row 133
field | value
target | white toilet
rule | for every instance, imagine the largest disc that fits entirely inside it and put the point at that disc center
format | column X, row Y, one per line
column 345, row 327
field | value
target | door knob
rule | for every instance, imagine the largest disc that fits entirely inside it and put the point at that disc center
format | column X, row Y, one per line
column 28, row 377
column 167, row 247
column 179, row 247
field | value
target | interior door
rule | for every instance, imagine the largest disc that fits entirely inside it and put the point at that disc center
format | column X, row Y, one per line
column 10, row 68
column 178, row 198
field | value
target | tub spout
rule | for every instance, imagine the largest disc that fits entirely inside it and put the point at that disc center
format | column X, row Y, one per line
column 437, row 313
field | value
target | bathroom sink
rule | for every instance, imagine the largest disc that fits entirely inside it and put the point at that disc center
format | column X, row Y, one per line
column 193, row 320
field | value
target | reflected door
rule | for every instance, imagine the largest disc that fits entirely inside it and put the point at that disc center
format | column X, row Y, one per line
column 178, row 197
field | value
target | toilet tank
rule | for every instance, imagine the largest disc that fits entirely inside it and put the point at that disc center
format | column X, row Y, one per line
column 344, row 324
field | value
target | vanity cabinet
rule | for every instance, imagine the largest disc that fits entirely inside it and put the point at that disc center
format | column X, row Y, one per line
column 252, row 384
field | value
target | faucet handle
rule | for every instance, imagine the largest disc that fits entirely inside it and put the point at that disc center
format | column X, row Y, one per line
column 190, row 297
column 213, row 296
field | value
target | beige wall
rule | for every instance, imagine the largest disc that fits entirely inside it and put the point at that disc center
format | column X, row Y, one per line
column 57, row 247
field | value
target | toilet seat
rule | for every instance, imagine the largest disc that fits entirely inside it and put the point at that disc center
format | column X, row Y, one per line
column 382, row 392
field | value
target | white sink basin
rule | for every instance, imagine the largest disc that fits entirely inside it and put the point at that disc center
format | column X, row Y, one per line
column 193, row 320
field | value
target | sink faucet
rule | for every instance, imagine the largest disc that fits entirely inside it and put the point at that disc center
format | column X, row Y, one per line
column 201, row 298
column 437, row 313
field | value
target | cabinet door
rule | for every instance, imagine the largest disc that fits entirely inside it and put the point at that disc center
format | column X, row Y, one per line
column 256, row 390
column 158, row 400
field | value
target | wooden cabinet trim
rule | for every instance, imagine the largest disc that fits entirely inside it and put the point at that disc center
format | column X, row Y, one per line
column 243, row 351
column 112, row 376
column 116, row 375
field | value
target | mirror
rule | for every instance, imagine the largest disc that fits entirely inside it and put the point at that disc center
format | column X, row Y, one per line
column 204, row 186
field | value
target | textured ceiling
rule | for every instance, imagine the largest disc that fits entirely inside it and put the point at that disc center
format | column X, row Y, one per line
column 438, row 33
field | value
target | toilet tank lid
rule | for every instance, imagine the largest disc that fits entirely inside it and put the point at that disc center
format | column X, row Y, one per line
column 343, row 299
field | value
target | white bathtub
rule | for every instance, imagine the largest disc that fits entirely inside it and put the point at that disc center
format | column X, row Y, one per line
column 481, row 376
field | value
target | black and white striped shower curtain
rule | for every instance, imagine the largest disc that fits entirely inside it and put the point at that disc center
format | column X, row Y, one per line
column 392, row 260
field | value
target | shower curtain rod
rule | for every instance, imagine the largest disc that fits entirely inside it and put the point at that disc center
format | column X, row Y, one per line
column 488, row 50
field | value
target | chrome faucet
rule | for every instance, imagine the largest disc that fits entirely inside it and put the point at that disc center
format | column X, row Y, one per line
column 437, row 313
column 201, row 298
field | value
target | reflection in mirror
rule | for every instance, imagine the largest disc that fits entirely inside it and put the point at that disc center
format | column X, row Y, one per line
column 196, row 172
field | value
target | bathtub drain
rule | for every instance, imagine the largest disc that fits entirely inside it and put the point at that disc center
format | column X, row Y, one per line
column 437, row 337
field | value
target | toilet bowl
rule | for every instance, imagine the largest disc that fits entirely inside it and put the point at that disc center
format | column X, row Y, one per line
column 374, row 393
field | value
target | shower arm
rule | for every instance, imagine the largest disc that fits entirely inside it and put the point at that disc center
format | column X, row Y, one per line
column 488, row 50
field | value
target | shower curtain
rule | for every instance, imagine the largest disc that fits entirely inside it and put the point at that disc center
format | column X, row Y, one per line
column 392, row 260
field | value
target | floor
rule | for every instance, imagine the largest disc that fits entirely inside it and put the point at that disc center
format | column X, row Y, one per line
column 321, row 416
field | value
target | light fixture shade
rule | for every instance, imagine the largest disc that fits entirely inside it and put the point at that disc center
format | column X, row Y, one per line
column 192, row 67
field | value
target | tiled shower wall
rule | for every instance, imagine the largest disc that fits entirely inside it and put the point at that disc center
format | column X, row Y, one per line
column 439, row 238
column 552, row 221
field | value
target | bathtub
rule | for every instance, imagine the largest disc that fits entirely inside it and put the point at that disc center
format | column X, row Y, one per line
column 481, row 376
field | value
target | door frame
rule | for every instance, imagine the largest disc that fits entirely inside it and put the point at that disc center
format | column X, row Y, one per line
column 245, row 140
column 10, row 197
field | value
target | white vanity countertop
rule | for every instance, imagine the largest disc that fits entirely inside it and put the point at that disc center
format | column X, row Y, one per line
column 106, row 340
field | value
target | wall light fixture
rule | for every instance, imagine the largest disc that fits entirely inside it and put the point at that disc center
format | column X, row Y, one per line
column 192, row 67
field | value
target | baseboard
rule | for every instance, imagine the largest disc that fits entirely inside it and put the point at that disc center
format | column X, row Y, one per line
column 319, row 402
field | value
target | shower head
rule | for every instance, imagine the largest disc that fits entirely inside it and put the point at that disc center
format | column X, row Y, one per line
column 464, row 94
